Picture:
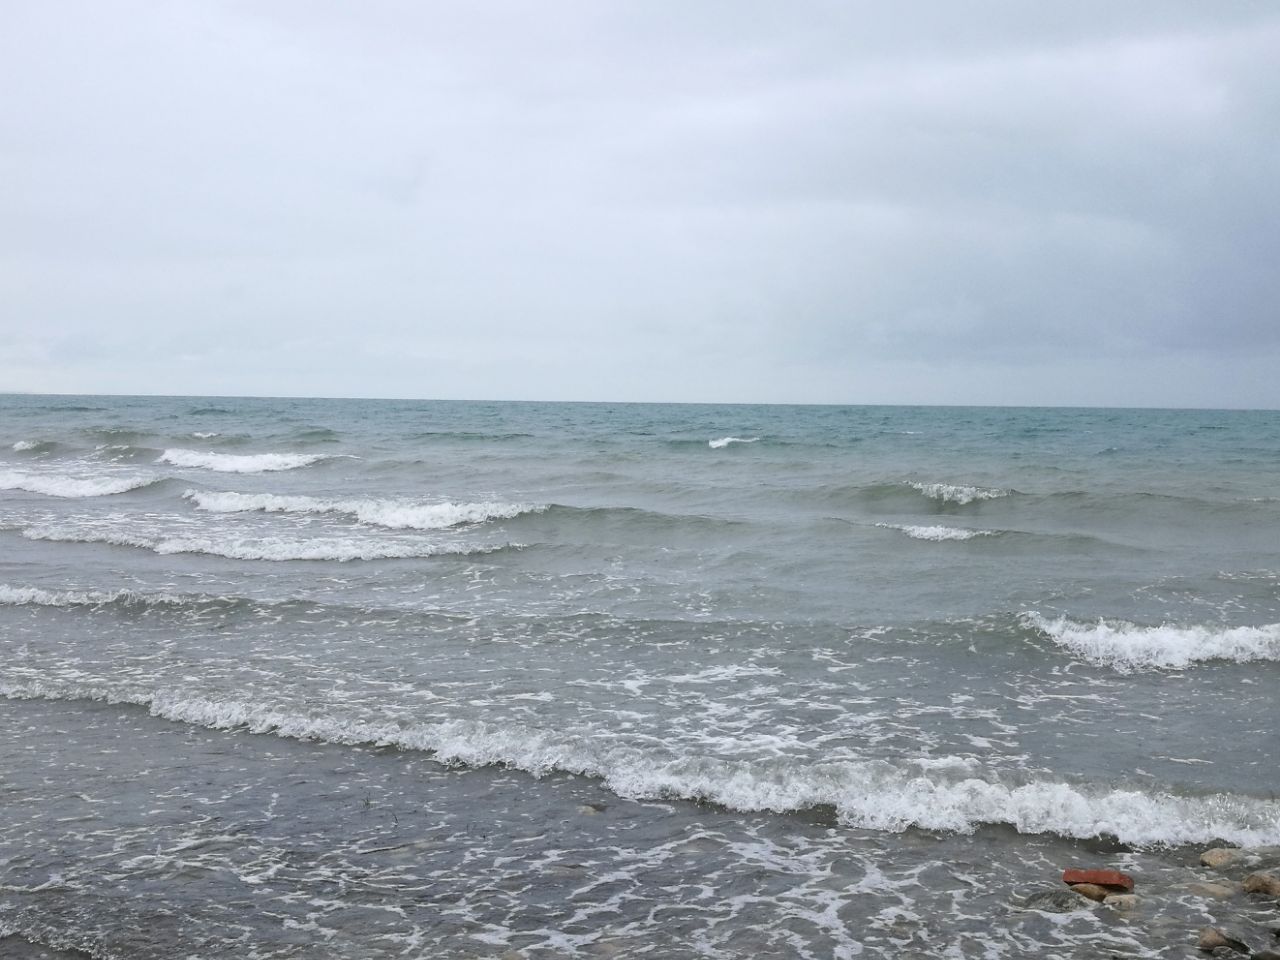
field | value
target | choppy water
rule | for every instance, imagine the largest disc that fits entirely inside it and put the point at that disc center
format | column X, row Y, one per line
column 393, row 679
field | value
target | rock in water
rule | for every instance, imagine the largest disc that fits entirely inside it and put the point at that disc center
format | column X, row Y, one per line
column 1218, row 891
column 1121, row 901
column 1262, row 883
column 1220, row 857
column 1091, row 890
column 1103, row 878
column 1211, row 938
column 1054, row 901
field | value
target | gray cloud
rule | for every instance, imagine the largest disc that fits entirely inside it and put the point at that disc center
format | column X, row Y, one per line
column 995, row 202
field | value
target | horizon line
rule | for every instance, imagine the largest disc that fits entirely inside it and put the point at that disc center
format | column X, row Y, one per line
column 673, row 403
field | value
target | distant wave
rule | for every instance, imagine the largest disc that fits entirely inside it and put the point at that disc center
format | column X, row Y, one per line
column 339, row 549
column 1128, row 647
column 70, row 486
column 937, row 533
column 239, row 463
column 725, row 441
column 956, row 492
column 205, row 434
column 24, row 445
column 864, row 794
column 393, row 514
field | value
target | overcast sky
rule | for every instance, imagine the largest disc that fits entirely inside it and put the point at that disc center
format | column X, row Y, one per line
column 1057, row 203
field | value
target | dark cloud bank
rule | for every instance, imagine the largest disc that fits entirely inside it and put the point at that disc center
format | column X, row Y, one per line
column 826, row 202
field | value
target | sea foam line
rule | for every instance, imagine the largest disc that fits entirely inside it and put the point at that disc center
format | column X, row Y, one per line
column 392, row 514
column 339, row 549
column 725, row 441
column 865, row 794
column 239, row 462
column 937, row 533
column 1127, row 647
column 69, row 486
column 957, row 493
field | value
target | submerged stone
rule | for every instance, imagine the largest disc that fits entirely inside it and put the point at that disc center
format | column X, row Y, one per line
column 1211, row 938
column 1264, row 883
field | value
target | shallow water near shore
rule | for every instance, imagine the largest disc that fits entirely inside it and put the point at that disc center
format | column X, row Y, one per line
column 392, row 679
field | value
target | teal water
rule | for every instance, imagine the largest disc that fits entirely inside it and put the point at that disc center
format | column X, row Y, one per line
column 1054, row 629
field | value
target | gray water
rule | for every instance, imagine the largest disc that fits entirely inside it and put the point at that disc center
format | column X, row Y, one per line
column 389, row 679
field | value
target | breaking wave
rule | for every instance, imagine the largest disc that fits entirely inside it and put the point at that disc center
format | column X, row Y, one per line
column 1127, row 647
column 339, row 549
column 937, row 533
column 865, row 794
column 725, row 441
column 393, row 514
column 957, row 493
column 35, row 596
column 69, row 486
column 239, row 463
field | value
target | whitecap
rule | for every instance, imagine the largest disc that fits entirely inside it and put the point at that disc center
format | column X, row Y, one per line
column 22, row 445
column 957, row 493
column 339, row 549
column 936, row 533
column 392, row 514
column 725, row 441
column 35, row 596
column 239, row 463
column 72, row 486
column 1127, row 647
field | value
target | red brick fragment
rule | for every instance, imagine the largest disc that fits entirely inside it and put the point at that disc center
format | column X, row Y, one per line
column 1103, row 878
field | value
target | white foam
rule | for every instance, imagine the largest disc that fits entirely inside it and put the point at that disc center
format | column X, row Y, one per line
column 957, row 492
column 340, row 549
column 26, row 445
column 71, row 486
column 725, row 441
column 1127, row 647
column 239, row 463
column 392, row 514
column 936, row 533
column 205, row 434
column 875, row 795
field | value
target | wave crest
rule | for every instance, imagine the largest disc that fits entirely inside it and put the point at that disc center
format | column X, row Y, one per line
column 1127, row 647
column 69, row 486
column 866, row 794
column 937, row 533
column 340, row 549
column 957, row 493
column 392, row 514
column 238, row 462
column 725, row 441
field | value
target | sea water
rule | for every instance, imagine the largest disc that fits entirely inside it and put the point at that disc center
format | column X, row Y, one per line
column 349, row 678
